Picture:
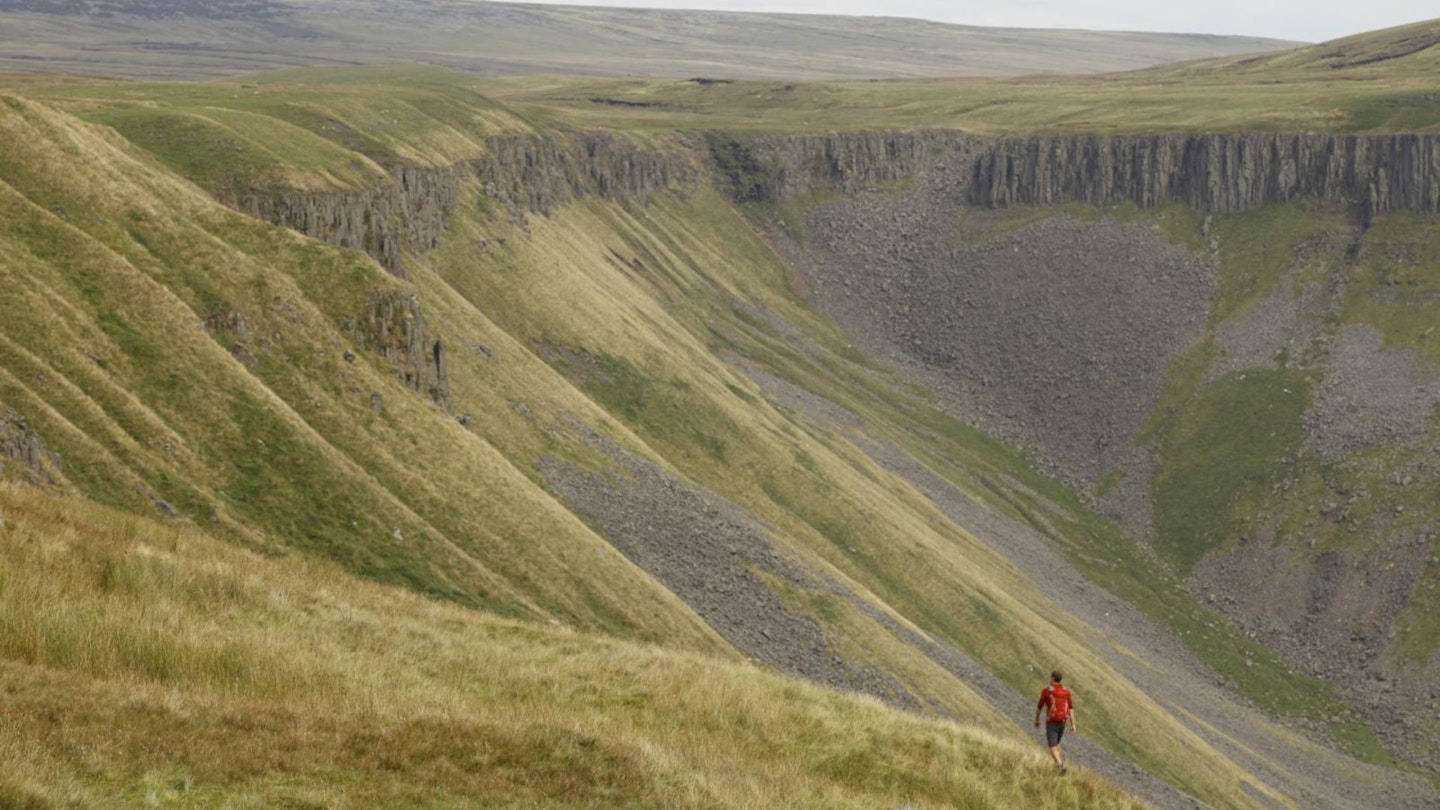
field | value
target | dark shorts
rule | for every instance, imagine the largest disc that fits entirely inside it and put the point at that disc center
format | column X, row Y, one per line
column 1053, row 733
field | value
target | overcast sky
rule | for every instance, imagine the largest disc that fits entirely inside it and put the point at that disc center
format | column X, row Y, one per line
column 1303, row 20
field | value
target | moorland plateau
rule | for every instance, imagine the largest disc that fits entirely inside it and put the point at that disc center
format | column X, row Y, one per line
column 396, row 435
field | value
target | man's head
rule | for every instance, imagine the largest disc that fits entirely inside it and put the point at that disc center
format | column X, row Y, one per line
column 1055, row 676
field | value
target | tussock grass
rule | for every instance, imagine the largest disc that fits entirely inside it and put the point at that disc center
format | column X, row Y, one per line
column 829, row 503
column 261, row 427
column 279, row 437
column 149, row 663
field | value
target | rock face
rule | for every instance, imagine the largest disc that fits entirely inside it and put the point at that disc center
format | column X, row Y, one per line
column 534, row 173
column 531, row 173
column 408, row 214
column 779, row 168
column 22, row 454
column 395, row 328
column 1219, row 173
column 524, row 173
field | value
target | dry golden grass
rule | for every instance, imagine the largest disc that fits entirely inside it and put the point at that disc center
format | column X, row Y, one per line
column 835, row 508
column 271, row 435
column 357, row 694
column 150, row 664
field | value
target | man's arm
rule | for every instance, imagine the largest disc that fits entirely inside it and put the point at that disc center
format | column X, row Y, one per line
column 1039, row 707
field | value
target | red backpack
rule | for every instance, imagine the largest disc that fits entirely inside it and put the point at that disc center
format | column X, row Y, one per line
column 1059, row 704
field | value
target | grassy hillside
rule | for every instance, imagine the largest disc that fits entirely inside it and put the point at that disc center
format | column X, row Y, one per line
column 1372, row 83
column 188, row 41
column 149, row 664
column 187, row 361
column 173, row 351
column 205, row 377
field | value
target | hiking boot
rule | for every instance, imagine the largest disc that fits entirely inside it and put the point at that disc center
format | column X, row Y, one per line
column 1062, row 769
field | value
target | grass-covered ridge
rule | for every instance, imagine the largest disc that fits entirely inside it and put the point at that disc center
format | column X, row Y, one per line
column 1377, row 82
column 211, row 676
column 209, row 373
column 219, row 39
column 177, row 353
column 329, row 127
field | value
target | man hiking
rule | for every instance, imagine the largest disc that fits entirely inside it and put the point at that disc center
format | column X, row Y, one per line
column 1061, row 705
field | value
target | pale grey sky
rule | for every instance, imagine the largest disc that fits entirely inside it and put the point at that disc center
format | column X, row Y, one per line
column 1304, row 20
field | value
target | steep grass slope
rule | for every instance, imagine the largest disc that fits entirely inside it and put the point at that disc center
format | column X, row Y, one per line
column 176, row 353
column 177, row 358
column 619, row 374
column 148, row 664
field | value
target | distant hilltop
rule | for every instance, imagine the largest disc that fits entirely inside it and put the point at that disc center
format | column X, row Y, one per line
column 192, row 39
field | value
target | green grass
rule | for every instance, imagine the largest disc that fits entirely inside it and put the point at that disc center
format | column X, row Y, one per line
column 1302, row 90
column 276, row 430
column 1225, row 448
column 152, row 664
column 666, row 410
column 1396, row 281
column 1258, row 247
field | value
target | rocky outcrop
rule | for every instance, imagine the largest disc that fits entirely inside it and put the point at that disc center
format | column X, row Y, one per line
column 524, row 173
column 22, row 454
column 1217, row 172
column 395, row 327
column 408, row 214
column 532, row 173
column 778, row 168
column 1222, row 173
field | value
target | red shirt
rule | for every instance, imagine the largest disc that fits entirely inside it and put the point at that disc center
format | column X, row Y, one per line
column 1059, row 699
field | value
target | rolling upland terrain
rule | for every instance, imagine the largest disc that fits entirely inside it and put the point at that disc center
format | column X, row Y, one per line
column 189, row 39
column 404, row 436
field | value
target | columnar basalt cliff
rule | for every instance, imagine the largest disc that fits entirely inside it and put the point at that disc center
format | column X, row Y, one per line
column 530, row 173
column 536, row 174
column 22, row 453
column 778, row 168
column 1220, row 173
column 395, row 328
column 1217, row 173
column 407, row 214
column 524, row 173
